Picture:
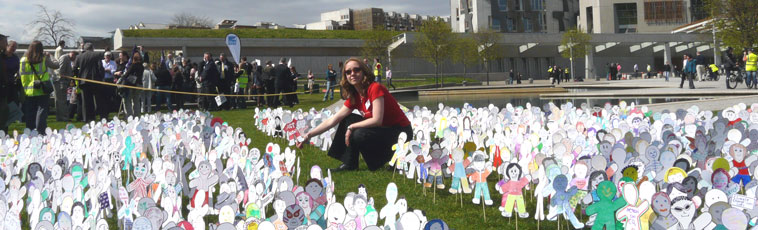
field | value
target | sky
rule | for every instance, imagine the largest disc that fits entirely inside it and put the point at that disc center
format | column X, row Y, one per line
column 99, row 17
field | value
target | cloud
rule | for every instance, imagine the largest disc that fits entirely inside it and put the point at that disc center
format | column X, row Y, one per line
column 99, row 17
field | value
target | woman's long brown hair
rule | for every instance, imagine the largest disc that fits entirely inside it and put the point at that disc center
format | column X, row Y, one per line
column 348, row 90
column 34, row 55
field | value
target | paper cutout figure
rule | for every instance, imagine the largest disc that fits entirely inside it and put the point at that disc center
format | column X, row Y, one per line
column 512, row 191
column 606, row 207
column 479, row 178
column 631, row 214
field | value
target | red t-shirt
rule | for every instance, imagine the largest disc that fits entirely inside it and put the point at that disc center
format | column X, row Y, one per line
column 393, row 115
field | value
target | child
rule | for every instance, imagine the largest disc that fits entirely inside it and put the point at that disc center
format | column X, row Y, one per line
column 72, row 94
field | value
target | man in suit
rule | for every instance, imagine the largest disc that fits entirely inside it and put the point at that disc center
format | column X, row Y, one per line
column 226, row 71
column 209, row 78
column 283, row 81
column 87, row 66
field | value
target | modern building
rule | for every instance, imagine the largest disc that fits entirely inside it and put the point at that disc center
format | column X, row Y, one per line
column 513, row 16
column 368, row 19
column 638, row 16
column 333, row 20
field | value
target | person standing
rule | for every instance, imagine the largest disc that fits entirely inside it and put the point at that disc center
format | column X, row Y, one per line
column 59, row 49
column 618, row 71
column 667, row 70
column 636, row 70
column 702, row 73
column 388, row 74
column 6, row 88
column 268, row 83
column 64, row 72
column 226, row 71
column 258, row 84
column 87, row 66
column 177, row 84
column 377, row 71
column 293, row 86
column 689, row 71
column 283, row 81
column 512, row 77
column 751, row 66
column 331, row 81
column 311, row 80
column 113, row 76
column 33, row 70
column 242, row 77
column 730, row 62
column 649, row 71
column 209, row 77
column 684, row 64
column 133, row 75
column 566, row 74
column 163, row 75
column 148, row 82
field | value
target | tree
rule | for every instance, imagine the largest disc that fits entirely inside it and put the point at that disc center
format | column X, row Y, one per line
column 488, row 48
column 465, row 52
column 435, row 44
column 736, row 22
column 576, row 44
column 188, row 20
column 375, row 45
column 50, row 26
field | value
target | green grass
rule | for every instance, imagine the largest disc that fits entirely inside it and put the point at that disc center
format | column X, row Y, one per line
column 255, row 33
column 437, row 204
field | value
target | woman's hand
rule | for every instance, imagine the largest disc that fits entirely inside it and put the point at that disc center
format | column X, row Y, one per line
column 306, row 139
column 347, row 135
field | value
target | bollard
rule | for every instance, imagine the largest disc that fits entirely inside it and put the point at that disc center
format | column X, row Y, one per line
column 531, row 80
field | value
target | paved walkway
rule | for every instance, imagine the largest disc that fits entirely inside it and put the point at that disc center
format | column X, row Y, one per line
column 711, row 95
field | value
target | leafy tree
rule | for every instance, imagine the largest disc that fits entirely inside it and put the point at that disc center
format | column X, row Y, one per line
column 736, row 21
column 435, row 44
column 50, row 26
column 376, row 43
column 576, row 44
column 465, row 52
column 488, row 48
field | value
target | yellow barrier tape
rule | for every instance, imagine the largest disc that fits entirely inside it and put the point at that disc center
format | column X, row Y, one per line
column 178, row 92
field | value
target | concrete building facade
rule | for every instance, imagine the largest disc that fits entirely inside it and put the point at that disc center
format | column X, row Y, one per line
column 638, row 16
column 513, row 16
column 368, row 19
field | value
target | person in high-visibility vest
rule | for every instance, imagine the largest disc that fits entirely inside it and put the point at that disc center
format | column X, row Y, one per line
column 714, row 71
column 34, row 72
column 242, row 78
column 567, row 74
column 751, row 65
column 377, row 71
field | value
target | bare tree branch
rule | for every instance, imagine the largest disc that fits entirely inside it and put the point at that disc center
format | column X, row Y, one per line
column 50, row 26
column 189, row 20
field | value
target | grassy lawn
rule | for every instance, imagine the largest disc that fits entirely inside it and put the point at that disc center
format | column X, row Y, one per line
column 458, row 211
column 255, row 33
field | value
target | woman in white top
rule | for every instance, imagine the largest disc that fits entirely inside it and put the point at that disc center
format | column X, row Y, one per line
column 389, row 77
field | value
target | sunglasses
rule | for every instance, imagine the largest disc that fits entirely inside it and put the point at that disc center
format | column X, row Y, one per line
column 350, row 71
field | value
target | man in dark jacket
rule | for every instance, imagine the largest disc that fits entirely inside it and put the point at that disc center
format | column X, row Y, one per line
column 283, row 81
column 226, row 70
column 5, row 85
column 87, row 66
column 268, row 81
column 209, row 77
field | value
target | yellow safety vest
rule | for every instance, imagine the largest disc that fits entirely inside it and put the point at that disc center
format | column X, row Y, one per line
column 28, row 76
column 714, row 68
column 750, row 65
column 566, row 71
column 242, row 79
column 377, row 67
column 550, row 70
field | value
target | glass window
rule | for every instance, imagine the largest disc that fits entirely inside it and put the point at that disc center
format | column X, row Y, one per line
column 518, row 5
column 626, row 17
column 538, row 5
column 496, row 24
column 509, row 24
column 503, row 5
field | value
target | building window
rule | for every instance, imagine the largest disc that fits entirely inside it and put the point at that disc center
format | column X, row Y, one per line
column 538, row 5
column 496, row 25
column 665, row 12
column 518, row 5
column 527, row 25
column 503, row 4
column 541, row 22
column 509, row 24
column 626, row 17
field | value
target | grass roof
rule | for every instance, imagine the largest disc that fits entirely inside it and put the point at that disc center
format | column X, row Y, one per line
column 255, row 33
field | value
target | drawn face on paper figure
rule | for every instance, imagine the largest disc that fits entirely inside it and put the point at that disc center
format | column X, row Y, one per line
column 720, row 179
column 514, row 171
column 314, row 188
column 141, row 169
column 304, row 200
column 359, row 203
column 401, row 204
column 652, row 153
column 336, row 214
column 661, row 204
column 738, row 152
column 204, row 168
column 293, row 216
column 683, row 210
column 605, row 147
column 596, row 177
column 689, row 183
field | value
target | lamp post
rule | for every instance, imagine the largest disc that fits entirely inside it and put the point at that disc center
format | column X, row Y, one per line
column 571, row 54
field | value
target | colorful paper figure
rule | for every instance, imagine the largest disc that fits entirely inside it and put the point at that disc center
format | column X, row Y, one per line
column 512, row 191
column 479, row 178
column 606, row 207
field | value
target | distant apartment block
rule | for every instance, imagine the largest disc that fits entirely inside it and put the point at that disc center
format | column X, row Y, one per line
column 513, row 16
column 369, row 18
column 638, row 16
